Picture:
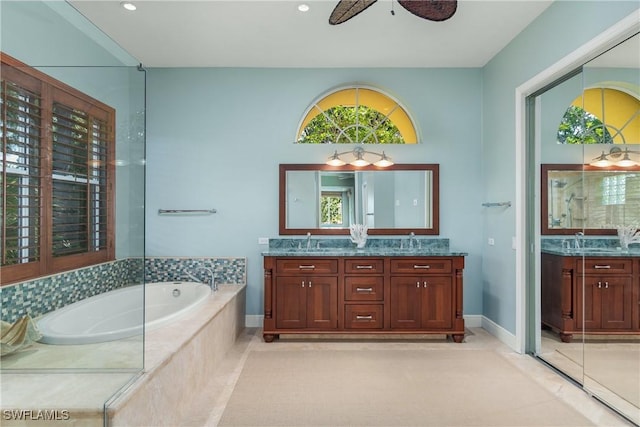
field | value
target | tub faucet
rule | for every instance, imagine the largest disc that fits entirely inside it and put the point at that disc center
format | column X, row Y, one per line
column 211, row 283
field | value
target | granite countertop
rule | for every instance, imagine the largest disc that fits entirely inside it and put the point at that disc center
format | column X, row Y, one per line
column 297, row 247
column 592, row 247
column 344, row 252
column 599, row 252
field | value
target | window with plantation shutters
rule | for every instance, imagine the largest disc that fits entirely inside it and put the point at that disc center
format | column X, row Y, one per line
column 57, row 175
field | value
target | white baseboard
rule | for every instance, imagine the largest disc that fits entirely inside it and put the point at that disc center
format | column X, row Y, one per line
column 253, row 320
column 473, row 320
column 499, row 332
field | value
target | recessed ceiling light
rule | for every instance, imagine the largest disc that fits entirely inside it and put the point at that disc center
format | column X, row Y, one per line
column 128, row 5
column 303, row 7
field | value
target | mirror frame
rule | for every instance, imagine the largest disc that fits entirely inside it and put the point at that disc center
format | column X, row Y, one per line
column 433, row 168
column 545, row 168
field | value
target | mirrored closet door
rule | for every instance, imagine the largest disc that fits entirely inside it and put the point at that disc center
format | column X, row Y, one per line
column 587, row 292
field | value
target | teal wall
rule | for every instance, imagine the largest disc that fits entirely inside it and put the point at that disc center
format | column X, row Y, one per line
column 216, row 138
column 561, row 29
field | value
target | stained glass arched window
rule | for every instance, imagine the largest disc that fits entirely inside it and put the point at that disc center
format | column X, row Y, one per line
column 356, row 115
column 601, row 116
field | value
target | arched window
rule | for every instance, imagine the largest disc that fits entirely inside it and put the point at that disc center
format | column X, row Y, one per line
column 356, row 115
column 601, row 116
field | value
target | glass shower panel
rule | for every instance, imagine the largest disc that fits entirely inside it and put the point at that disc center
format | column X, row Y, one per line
column 610, row 283
column 558, row 336
column 93, row 161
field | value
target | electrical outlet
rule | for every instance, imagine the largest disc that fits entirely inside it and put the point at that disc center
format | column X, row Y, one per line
column 491, row 241
column 263, row 240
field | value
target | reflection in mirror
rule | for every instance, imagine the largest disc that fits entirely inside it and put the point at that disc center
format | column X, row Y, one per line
column 324, row 199
column 611, row 343
column 593, row 200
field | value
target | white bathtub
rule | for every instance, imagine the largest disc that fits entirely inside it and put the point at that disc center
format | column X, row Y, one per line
column 118, row 314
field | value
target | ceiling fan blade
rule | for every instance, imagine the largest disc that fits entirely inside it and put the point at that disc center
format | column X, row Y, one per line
column 433, row 10
column 347, row 9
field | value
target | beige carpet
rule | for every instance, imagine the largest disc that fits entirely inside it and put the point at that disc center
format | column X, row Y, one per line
column 390, row 388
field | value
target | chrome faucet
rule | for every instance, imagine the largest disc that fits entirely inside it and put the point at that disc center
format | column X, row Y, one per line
column 211, row 283
column 412, row 238
column 308, row 241
column 578, row 240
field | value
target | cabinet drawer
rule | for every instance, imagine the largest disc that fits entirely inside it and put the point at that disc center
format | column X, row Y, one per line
column 610, row 265
column 363, row 316
column 307, row 266
column 421, row 265
column 364, row 266
column 366, row 288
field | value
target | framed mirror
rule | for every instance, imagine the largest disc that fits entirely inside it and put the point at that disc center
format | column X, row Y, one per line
column 323, row 199
column 587, row 198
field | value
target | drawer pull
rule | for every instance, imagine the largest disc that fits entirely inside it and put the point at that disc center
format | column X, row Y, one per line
column 601, row 266
column 364, row 289
column 369, row 317
column 422, row 266
column 306, row 267
column 364, row 267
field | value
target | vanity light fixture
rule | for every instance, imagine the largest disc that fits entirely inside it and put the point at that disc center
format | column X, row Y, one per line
column 610, row 159
column 357, row 157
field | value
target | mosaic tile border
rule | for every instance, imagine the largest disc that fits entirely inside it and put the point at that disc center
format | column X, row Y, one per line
column 227, row 271
column 42, row 295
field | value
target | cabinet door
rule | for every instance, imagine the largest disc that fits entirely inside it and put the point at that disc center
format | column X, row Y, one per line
column 322, row 302
column 616, row 300
column 588, row 313
column 406, row 302
column 436, row 302
column 291, row 303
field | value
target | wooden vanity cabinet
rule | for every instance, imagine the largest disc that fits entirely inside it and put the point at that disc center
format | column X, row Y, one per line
column 306, row 294
column 599, row 294
column 351, row 295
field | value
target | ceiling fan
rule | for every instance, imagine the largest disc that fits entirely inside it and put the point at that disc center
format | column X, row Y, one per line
column 433, row 10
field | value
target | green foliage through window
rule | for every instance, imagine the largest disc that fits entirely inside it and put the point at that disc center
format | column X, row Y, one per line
column 581, row 127
column 348, row 125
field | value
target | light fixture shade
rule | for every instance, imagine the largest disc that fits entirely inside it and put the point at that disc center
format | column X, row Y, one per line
column 626, row 161
column 384, row 161
column 359, row 163
column 602, row 161
column 335, row 160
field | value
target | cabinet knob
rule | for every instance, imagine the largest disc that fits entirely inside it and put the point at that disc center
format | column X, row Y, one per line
column 606, row 285
column 417, row 284
column 424, row 284
column 303, row 283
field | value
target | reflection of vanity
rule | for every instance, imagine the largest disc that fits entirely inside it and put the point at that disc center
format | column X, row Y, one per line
column 372, row 291
column 611, row 291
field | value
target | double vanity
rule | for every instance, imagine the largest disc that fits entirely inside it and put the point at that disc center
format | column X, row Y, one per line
column 389, row 287
column 593, row 289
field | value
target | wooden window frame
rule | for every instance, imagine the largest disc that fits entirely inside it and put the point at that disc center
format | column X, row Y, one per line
column 50, row 91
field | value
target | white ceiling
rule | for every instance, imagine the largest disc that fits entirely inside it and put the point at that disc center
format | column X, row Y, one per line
column 273, row 33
